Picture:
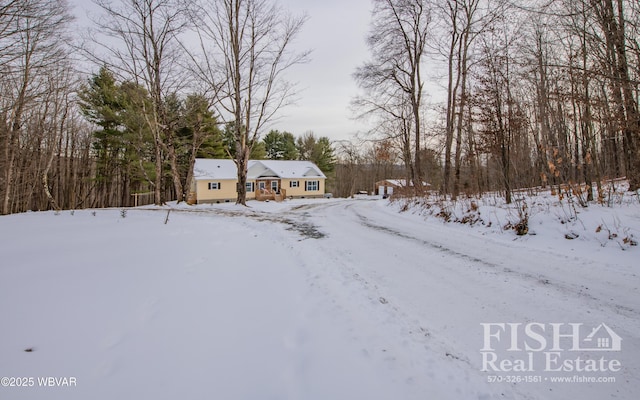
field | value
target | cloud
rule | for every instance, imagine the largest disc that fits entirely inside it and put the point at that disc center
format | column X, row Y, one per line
column 336, row 33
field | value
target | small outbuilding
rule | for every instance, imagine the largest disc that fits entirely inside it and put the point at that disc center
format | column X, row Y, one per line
column 388, row 187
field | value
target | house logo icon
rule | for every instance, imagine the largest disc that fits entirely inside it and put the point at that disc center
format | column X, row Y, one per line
column 602, row 338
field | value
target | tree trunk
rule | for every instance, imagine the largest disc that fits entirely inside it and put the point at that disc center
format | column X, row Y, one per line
column 242, row 163
column 175, row 171
column 45, row 182
column 462, row 70
column 450, row 112
column 158, row 170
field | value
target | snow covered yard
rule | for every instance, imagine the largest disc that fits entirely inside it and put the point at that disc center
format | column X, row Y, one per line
column 315, row 299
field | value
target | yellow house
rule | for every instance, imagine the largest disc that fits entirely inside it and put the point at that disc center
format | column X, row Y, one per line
column 215, row 180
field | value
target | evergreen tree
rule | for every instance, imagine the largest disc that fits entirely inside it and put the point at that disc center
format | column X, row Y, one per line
column 229, row 140
column 280, row 146
column 119, row 141
column 323, row 155
column 317, row 150
column 305, row 145
column 198, row 136
column 199, row 128
column 258, row 152
column 101, row 102
column 290, row 152
column 122, row 143
column 140, row 152
column 274, row 143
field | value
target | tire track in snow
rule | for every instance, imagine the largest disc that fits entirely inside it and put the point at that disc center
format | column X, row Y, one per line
column 466, row 286
column 471, row 285
column 539, row 279
column 300, row 223
column 304, row 228
column 382, row 326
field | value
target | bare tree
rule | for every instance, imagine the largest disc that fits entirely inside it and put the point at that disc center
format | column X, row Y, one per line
column 350, row 160
column 245, row 48
column 464, row 21
column 144, row 48
column 11, row 26
column 32, row 34
column 393, row 78
column 611, row 17
column 392, row 119
column 547, row 95
column 501, row 120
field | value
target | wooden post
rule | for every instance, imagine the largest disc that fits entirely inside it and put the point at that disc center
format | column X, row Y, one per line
column 137, row 195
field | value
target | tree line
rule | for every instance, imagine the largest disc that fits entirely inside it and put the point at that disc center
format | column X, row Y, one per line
column 535, row 93
column 123, row 145
column 168, row 81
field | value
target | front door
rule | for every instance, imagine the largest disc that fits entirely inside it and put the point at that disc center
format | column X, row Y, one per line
column 274, row 186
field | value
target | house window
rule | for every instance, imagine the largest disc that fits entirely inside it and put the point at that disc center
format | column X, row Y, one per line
column 251, row 187
column 312, row 186
column 215, row 186
column 274, row 186
column 294, row 184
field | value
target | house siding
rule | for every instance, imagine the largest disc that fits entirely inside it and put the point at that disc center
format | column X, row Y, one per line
column 250, row 195
column 227, row 192
column 300, row 190
column 207, row 171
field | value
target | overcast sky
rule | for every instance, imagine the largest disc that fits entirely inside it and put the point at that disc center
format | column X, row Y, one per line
column 335, row 33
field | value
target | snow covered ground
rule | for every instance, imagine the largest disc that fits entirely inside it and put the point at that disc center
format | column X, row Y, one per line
column 316, row 299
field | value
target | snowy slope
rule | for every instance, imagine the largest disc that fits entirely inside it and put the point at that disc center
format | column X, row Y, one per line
column 315, row 299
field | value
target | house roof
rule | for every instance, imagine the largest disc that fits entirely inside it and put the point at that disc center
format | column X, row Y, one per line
column 285, row 169
column 209, row 169
column 401, row 182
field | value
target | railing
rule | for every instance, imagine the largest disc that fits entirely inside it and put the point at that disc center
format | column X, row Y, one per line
column 266, row 194
column 281, row 195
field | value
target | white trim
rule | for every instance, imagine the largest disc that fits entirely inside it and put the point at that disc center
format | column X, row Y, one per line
column 316, row 185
